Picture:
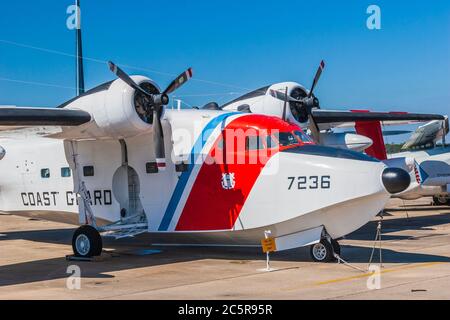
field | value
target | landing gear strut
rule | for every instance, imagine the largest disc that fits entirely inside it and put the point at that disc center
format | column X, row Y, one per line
column 87, row 242
column 324, row 250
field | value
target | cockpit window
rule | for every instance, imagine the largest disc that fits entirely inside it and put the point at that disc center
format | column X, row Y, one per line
column 253, row 94
column 270, row 142
column 302, row 136
column 254, row 143
column 286, row 139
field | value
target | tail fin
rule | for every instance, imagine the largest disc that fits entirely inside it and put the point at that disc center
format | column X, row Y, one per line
column 79, row 53
column 372, row 129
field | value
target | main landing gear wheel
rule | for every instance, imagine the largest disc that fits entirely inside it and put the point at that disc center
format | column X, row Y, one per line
column 441, row 200
column 322, row 251
column 87, row 242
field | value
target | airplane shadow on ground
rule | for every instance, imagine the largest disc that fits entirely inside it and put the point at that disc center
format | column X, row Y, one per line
column 54, row 269
column 405, row 223
column 125, row 256
column 407, row 209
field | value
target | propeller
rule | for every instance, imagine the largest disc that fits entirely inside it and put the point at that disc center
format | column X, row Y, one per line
column 304, row 105
column 154, row 103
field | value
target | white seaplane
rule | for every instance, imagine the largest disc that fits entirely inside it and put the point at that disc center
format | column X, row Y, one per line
column 114, row 160
column 121, row 163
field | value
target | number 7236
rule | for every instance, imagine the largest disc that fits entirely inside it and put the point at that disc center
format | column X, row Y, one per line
column 311, row 182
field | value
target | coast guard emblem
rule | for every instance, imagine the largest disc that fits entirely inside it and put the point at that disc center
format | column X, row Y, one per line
column 228, row 181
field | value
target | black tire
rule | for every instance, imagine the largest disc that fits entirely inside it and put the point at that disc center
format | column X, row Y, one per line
column 322, row 251
column 440, row 201
column 91, row 238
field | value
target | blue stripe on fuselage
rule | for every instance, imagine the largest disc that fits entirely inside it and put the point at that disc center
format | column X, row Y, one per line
column 183, row 180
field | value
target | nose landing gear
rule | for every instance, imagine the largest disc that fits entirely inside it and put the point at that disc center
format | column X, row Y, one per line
column 325, row 250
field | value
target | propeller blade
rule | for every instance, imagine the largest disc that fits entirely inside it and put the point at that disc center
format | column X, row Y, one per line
column 445, row 129
column 314, row 128
column 158, row 141
column 285, row 104
column 316, row 78
column 126, row 78
column 179, row 81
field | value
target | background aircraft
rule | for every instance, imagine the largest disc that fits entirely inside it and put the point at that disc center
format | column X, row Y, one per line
column 427, row 162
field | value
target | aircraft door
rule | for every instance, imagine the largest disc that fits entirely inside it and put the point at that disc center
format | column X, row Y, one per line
column 126, row 190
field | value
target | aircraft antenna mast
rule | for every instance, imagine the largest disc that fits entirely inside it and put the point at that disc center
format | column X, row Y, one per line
column 79, row 52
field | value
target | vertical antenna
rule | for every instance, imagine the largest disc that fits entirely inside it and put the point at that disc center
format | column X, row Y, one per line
column 79, row 50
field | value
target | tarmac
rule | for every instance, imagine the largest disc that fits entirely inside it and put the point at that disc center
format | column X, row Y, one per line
column 415, row 264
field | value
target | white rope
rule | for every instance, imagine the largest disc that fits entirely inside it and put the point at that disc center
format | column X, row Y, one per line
column 377, row 239
column 340, row 260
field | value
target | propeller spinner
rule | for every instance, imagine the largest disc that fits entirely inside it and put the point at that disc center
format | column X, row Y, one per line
column 153, row 104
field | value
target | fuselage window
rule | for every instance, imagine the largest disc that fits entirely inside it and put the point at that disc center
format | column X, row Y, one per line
column 151, row 167
column 88, row 171
column 45, row 173
column 66, row 173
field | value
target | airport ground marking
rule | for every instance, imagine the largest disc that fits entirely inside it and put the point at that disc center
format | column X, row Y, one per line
column 368, row 274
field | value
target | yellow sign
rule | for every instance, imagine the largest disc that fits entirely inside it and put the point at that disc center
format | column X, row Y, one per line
column 268, row 245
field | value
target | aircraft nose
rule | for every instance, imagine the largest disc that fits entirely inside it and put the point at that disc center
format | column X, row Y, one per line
column 395, row 180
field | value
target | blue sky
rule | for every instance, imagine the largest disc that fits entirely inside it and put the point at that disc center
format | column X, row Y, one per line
column 239, row 44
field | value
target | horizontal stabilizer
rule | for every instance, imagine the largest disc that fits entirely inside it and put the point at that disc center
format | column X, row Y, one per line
column 387, row 133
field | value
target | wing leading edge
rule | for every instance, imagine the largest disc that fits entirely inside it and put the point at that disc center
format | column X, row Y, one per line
column 22, row 116
column 326, row 116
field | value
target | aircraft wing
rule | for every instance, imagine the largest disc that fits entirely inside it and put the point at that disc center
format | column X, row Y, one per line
column 348, row 118
column 19, row 117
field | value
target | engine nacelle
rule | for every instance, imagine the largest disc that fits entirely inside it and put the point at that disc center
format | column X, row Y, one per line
column 343, row 140
column 116, row 110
